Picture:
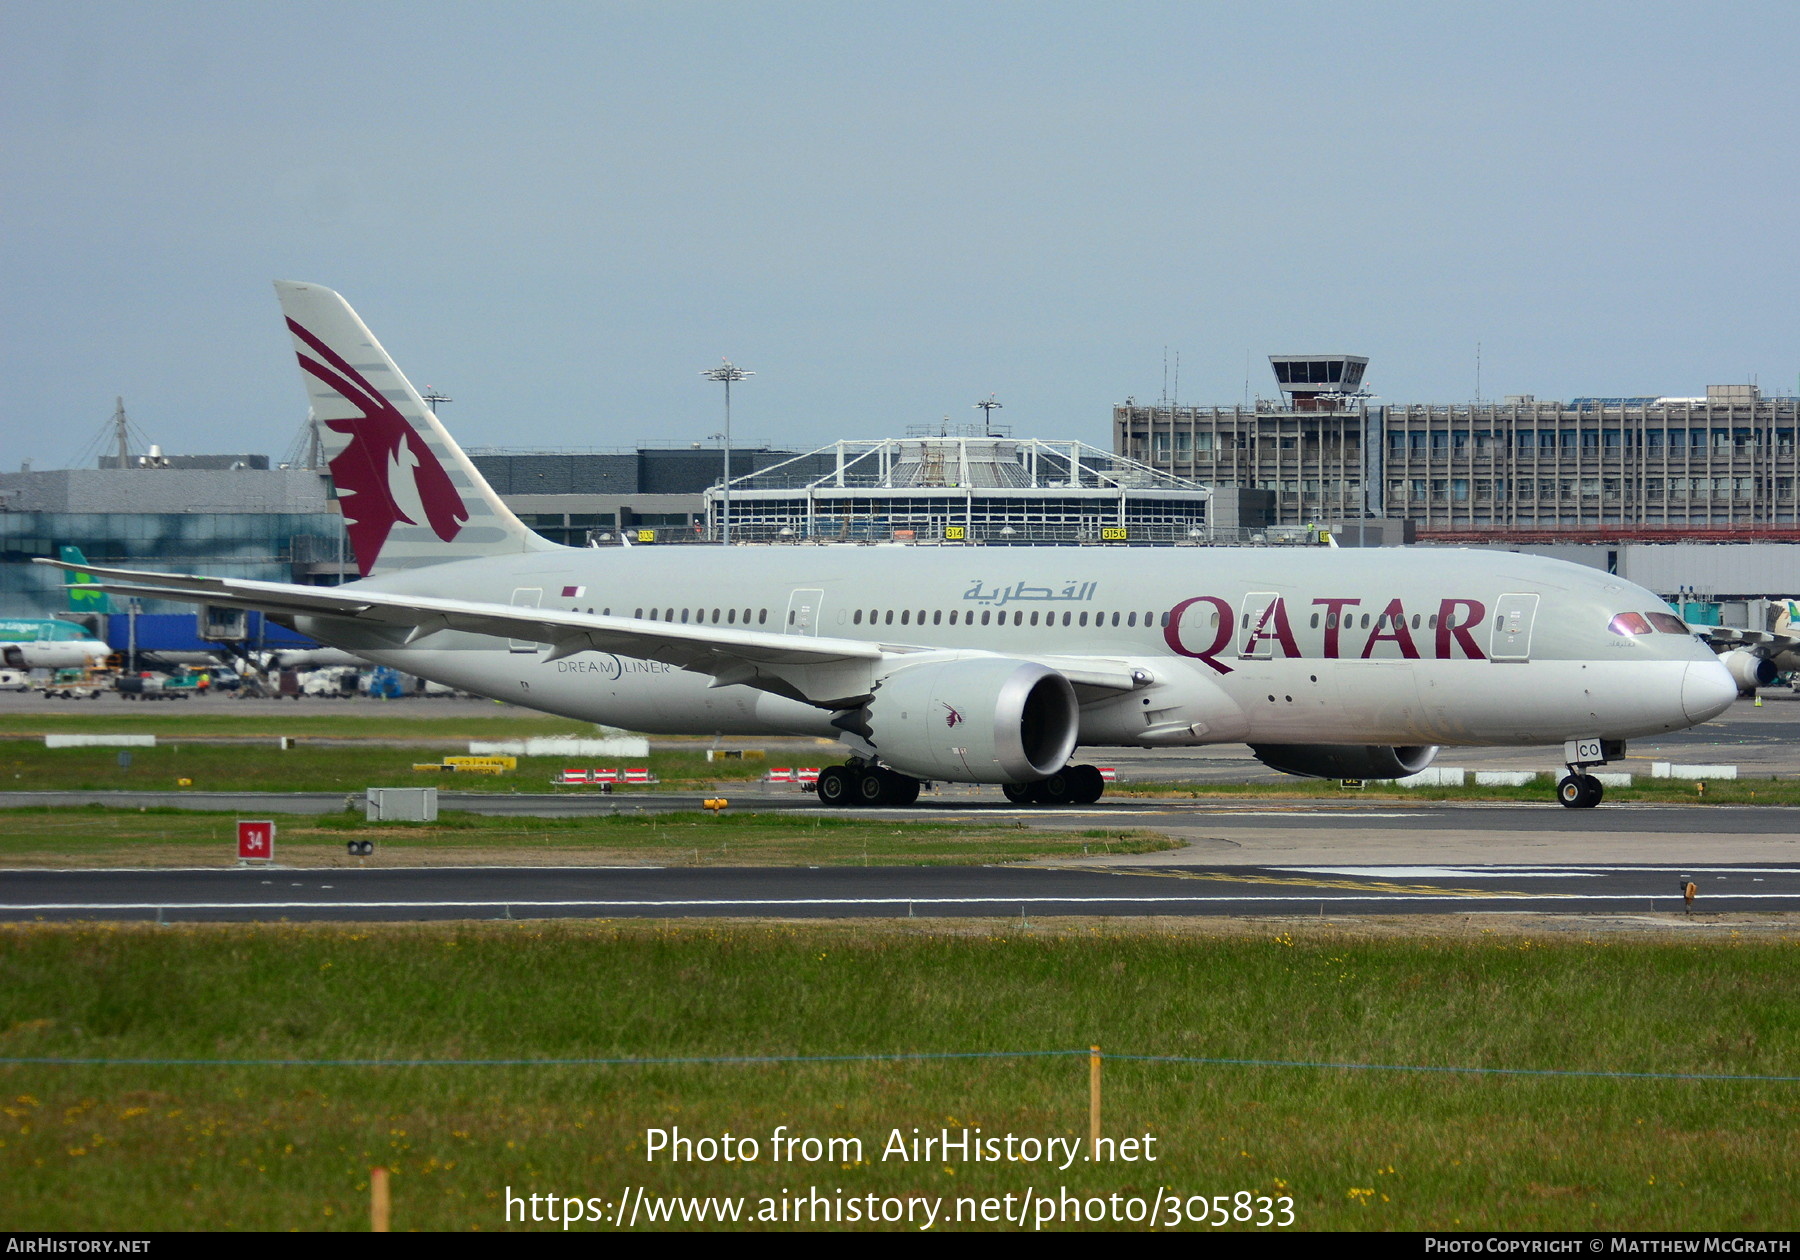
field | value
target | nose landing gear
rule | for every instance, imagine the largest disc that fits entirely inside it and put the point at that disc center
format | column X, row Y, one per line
column 1578, row 789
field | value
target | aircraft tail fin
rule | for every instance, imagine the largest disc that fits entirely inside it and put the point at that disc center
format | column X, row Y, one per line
column 409, row 495
column 85, row 596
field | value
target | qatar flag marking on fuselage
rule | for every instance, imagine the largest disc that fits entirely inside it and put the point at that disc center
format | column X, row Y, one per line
column 387, row 473
column 574, row 592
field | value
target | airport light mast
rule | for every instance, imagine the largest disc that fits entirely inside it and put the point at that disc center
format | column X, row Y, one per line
column 726, row 373
column 988, row 406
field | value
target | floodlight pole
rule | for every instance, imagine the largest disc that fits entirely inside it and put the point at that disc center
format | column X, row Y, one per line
column 726, row 373
column 987, row 406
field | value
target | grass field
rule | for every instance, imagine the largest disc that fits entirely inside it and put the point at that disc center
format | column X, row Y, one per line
column 96, row 836
column 261, row 766
column 170, row 1147
column 30, row 767
column 321, row 719
column 253, row 762
column 1766, row 790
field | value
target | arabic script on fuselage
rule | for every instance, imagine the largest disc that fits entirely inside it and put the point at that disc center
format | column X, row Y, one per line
column 1024, row 592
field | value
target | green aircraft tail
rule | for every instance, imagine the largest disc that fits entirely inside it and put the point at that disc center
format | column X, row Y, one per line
column 84, row 595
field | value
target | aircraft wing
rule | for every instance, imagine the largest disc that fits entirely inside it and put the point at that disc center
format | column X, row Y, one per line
column 830, row 672
column 1763, row 641
column 1781, row 652
column 1735, row 637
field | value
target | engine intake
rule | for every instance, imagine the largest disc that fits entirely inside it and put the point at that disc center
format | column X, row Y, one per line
column 1345, row 761
column 1749, row 669
column 973, row 720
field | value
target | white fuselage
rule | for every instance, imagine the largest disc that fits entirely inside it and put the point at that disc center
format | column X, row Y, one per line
column 55, row 654
column 1253, row 645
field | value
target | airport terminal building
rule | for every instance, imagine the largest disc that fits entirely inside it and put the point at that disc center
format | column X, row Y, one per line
column 977, row 488
column 1634, row 485
column 1724, row 465
column 246, row 520
column 236, row 516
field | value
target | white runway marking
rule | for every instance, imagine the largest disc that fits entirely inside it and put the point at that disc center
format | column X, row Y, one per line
column 315, row 871
column 1306, row 815
column 1298, row 898
column 1441, row 872
column 1536, row 871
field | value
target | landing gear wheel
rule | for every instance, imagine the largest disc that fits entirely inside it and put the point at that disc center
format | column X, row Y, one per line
column 1021, row 793
column 873, row 785
column 1580, row 791
column 1058, row 789
column 837, row 786
column 1568, row 791
column 872, row 788
column 1085, row 784
column 1596, row 790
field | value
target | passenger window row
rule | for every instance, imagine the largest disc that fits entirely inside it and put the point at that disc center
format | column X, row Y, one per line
column 699, row 616
column 1628, row 623
column 1382, row 621
column 989, row 616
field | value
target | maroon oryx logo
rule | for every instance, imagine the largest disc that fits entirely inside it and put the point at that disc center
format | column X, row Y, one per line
column 386, row 475
column 952, row 716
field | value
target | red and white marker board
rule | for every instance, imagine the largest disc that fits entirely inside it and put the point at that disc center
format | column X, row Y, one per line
column 256, row 840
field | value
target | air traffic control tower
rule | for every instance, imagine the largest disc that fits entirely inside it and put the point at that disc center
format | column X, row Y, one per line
column 1315, row 382
column 1314, row 448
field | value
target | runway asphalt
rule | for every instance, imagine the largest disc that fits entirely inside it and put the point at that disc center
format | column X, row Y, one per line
column 1345, row 855
column 415, row 894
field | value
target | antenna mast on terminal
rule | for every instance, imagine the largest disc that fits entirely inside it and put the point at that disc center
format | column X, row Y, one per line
column 122, row 432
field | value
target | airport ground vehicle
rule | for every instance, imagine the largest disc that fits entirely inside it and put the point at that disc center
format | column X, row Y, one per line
column 76, row 684
column 153, row 686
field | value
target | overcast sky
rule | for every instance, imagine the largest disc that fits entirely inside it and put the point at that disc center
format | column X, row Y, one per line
column 560, row 214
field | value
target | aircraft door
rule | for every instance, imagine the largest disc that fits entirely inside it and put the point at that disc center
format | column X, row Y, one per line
column 1513, row 618
column 804, row 608
column 1255, row 620
column 526, row 597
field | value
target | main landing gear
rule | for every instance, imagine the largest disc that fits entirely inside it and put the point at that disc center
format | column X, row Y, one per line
column 1072, row 785
column 857, row 783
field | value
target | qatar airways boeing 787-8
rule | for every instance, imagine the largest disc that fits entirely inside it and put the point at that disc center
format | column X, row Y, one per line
column 965, row 664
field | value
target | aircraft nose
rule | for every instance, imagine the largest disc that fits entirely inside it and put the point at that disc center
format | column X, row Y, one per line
column 1707, row 690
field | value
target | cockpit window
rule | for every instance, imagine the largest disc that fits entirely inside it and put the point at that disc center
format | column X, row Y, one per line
column 1630, row 623
column 1668, row 623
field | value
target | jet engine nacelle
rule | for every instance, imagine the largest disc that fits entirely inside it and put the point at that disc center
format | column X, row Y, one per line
column 55, row 654
column 973, row 720
column 1345, row 761
column 1749, row 669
